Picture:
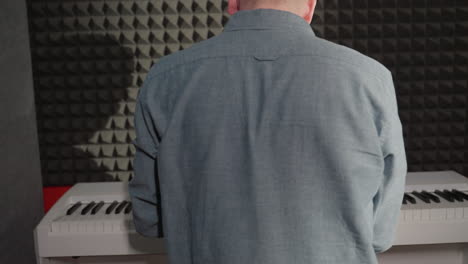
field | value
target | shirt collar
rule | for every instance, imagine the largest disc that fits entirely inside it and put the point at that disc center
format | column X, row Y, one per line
column 267, row 19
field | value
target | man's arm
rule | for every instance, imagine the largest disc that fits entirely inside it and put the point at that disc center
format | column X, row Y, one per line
column 143, row 186
column 388, row 200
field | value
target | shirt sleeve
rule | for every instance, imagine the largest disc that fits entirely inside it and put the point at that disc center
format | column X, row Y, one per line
column 143, row 186
column 388, row 199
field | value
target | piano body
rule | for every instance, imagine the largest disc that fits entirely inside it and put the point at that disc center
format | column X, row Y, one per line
column 92, row 223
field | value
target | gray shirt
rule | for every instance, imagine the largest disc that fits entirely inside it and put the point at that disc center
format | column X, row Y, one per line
column 268, row 145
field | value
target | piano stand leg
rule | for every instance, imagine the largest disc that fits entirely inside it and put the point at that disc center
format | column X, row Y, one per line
column 465, row 253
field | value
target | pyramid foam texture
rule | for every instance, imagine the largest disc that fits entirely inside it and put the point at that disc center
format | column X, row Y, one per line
column 90, row 58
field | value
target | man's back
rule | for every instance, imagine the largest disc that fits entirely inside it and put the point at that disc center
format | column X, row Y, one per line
column 272, row 146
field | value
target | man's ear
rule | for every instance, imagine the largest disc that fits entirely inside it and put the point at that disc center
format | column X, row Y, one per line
column 233, row 6
column 310, row 12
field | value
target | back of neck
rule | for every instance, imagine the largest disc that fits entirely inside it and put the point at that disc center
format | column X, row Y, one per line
column 248, row 6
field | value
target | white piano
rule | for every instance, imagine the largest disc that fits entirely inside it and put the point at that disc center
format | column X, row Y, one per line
column 92, row 223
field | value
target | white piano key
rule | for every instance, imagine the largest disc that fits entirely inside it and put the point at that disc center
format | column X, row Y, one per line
column 416, row 214
column 459, row 213
column 73, row 224
column 438, row 214
column 100, row 220
column 99, row 226
column 465, row 212
column 55, row 226
column 108, row 227
column 115, row 226
column 90, row 226
column 82, row 222
column 425, row 214
column 450, row 213
column 64, row 227
column 407, row 215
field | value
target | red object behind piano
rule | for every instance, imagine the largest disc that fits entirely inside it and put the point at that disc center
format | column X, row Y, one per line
column 52, row 194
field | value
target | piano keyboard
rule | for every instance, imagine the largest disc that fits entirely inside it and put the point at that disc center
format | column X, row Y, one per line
column 441, row 205
column 434, row 209
column 95, row 219
column 451, row 196
column 435, row 206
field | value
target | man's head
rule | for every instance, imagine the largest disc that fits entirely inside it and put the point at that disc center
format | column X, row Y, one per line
column 302, row 8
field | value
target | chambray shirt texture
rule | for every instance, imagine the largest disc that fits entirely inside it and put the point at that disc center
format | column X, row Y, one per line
column 269, row 145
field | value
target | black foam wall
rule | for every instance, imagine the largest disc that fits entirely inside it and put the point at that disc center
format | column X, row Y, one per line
column 90, row 57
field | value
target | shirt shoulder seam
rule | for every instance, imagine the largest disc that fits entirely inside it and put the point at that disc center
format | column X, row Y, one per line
column 189, row 62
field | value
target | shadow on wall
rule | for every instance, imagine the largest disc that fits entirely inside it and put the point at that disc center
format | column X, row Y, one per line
column 85, row 90
column 89, row 58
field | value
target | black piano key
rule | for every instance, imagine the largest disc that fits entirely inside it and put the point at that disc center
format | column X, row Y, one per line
column 453, row 195
column 444, row 195
column 431, row 196
column 111, row 207
column 128, row 208
column 72, row 209
column 421, row 197
column 461, row 194
column 97, row 207
column 120, row 207
column 404, row 199
column 410, row 199
column 88, row 207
